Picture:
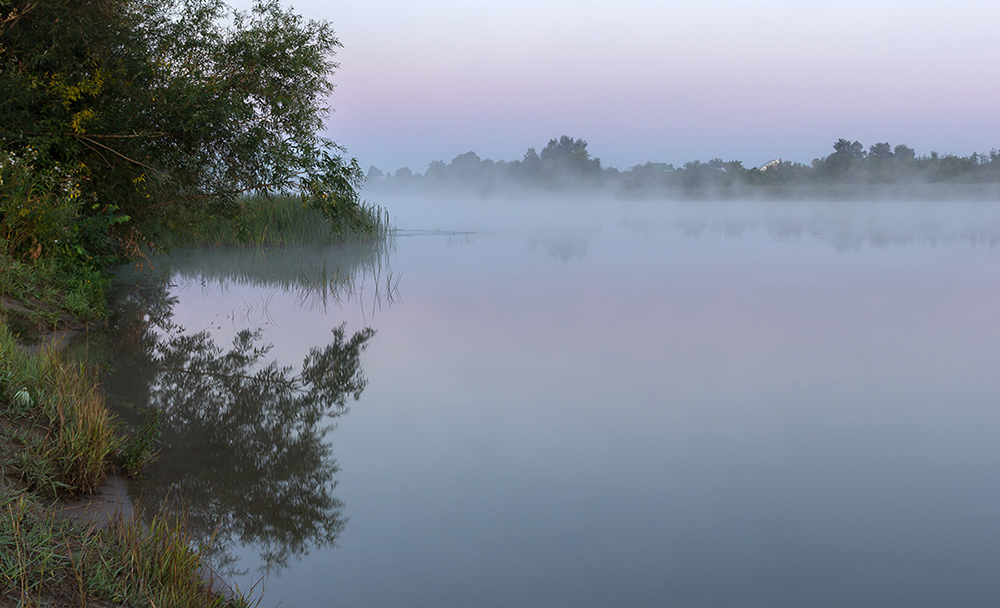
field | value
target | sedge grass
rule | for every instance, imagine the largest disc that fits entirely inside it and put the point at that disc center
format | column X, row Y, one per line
column 33, row 552
column 153, row 563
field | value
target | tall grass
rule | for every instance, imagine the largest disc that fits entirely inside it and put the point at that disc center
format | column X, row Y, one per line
column 48, row 561
column 276, row 222
column 67, row 437
column 33, row 550
column 151, row 564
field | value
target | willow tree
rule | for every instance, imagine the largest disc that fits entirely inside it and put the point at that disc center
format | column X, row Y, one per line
column 170, row 110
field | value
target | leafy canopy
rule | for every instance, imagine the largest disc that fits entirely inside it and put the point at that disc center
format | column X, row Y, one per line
column 170, row 110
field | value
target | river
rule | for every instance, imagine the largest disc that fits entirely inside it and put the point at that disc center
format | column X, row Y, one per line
column 586, row 403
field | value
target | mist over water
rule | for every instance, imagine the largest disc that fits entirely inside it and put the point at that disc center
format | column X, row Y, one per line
column 620, row 403
column 566, row 167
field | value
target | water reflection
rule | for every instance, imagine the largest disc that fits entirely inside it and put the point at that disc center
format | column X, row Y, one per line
column 244, row 438
column 564, row 247
column 843, row 225
column 765, row 419
column 318, row 276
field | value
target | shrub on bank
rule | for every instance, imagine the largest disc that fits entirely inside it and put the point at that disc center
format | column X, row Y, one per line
column 47, row 259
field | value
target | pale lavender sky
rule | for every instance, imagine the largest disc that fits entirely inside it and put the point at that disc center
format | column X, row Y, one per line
column 665, row 81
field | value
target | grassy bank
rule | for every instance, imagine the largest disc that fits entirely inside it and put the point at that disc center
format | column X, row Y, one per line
column 49, row 561
column 52, row 292
column 58, row 440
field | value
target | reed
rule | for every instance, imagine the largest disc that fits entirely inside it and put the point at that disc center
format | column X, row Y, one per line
column 279, row 221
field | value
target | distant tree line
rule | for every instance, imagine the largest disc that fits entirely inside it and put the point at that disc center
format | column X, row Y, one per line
column 566, row 164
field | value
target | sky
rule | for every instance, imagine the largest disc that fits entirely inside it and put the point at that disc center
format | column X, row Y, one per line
column 644, row 80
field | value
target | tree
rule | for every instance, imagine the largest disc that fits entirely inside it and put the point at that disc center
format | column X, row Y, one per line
column 374, row 174
column 845, row 158
column 436, row 170
column 531, row 157
column 466, row 166
column 531, row 165
column 904, row 152
column 570, row 156
column 880, row 151
column 168, row 110
column 881, row 165
column 403, row 175
column 846, row 149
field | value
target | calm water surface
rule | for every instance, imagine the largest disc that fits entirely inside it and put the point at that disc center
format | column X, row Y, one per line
column 590, row 404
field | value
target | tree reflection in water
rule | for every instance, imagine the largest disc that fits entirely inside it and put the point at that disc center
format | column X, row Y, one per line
column 242, row 444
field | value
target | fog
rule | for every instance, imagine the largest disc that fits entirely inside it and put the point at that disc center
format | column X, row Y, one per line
column 565, row 226
column 728, row 402
column 580, row 399
column 565, row 166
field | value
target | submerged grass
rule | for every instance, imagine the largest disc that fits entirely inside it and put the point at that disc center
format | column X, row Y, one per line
column 59, row 439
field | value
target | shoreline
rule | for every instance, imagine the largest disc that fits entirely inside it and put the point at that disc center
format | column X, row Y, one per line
column 79, row 521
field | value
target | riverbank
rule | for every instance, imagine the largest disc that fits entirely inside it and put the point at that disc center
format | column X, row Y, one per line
column 59, row 442
column 67, row 535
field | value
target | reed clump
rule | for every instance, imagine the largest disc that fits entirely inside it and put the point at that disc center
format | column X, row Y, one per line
column 279, row 221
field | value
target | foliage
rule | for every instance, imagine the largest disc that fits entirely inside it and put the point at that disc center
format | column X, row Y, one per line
column 43, row 262
column 164, row 113
column 850, row 170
